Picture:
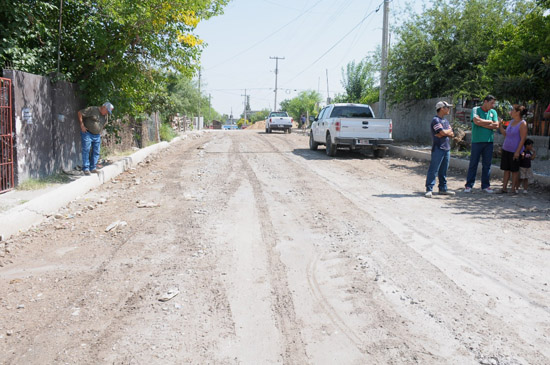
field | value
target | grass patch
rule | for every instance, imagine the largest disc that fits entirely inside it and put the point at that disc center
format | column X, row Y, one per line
column 44, row 182
column 461, row 154
column 167, row 133
column 122, row 153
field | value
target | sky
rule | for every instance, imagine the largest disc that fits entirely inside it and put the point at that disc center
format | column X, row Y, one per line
column 315, row 38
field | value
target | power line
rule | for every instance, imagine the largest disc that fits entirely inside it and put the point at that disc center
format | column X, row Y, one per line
column 267, row 37
column 337, row 42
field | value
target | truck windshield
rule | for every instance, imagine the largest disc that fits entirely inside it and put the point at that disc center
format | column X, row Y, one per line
column 279, row 114
column 351, row 112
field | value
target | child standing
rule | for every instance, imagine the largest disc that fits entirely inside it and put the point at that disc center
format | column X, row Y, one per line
column 525, row 172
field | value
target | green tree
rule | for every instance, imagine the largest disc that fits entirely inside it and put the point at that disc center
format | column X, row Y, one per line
column 261, row 115
column 303, row 103
column 520, row 64
column 358, row 80
column 114, row 49
column 444, row 50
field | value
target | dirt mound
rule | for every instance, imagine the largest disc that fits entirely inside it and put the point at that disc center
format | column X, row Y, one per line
column 261, row 125
column 258, row 125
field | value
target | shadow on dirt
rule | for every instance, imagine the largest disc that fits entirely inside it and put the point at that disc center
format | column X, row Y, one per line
column 320, row 154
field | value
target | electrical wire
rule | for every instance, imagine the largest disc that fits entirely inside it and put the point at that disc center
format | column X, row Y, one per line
column 337, row 43
column 267, row 37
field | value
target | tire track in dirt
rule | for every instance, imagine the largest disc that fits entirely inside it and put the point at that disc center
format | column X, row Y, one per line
column 81, row 295
column 207, row 285
column 477, row 322
column 329, row 310
column 283, row 305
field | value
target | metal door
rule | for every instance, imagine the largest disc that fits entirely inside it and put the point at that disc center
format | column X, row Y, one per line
column 7, row 181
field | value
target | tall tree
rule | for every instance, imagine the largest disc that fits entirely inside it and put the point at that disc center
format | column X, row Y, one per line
column 520, row 64
column 303, row 103
column 444, row 50
column 115, row 49
column 358, row 81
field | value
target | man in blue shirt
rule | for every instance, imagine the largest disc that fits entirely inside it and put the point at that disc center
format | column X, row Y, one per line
column 441, row 150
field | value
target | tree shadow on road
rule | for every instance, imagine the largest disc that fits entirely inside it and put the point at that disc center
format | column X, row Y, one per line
column 534, row 206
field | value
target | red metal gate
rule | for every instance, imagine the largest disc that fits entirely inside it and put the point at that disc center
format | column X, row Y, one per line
column 7, row 181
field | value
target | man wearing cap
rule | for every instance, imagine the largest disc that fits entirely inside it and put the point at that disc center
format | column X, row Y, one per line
column 92, row 120
column 441, row 150
column 484, row 122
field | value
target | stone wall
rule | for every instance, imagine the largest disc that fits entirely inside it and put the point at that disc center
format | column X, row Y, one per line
column 411, row 121
column 47, row 133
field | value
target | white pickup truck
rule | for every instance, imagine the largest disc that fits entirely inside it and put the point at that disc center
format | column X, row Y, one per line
column 278, row 121
column 350, row 125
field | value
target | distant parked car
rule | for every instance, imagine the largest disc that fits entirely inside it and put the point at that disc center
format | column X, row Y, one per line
column 229, row 127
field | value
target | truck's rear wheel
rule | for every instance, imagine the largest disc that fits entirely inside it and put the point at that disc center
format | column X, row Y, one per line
column 379, row 152
column 289, row 130
column 331, row 147
column 312, row 144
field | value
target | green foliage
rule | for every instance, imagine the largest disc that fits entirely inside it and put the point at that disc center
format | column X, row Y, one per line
column 444, row 51
column 261, row 115
column 358, row 81
column 114, row 49
column 520, row 64
column 41, row 183
column 182, row 97
column 166, row 132
column 301, row 104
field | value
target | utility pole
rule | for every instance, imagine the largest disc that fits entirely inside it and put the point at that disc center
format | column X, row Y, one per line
column 328, row 95
column 276, row 72
column 384, row 70
column 210, row 108
column 199, row 118
column 245, row 100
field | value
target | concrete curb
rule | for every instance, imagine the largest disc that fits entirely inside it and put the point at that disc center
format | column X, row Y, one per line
column 456, row 163
column 34, row 212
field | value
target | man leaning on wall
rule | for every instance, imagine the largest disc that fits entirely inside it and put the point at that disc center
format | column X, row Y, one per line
column 92, row 120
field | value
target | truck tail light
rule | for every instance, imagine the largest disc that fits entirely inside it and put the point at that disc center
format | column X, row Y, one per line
column 391, row 127
column 291, row 120
column 337, row 125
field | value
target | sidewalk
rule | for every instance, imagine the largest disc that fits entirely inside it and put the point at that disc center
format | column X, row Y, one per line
column 457, row 163
column 20, row 210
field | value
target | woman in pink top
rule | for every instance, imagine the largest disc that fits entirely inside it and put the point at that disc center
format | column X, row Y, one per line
column 514, row 138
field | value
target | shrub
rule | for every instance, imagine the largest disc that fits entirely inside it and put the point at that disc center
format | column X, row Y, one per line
column 166, row 132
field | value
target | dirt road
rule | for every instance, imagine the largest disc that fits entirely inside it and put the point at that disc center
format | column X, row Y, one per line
column 279, row 254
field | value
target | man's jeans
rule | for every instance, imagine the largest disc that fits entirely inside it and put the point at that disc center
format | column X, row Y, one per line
column 485, row 151
column 94, row 140
column 438, row 166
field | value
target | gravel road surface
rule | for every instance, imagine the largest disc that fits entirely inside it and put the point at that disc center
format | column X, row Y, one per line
column 241, row 247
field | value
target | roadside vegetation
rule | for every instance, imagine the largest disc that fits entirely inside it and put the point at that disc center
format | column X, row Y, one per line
column 446, row 51
column 142, row 56
column 41, row 183
column 166, row 132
